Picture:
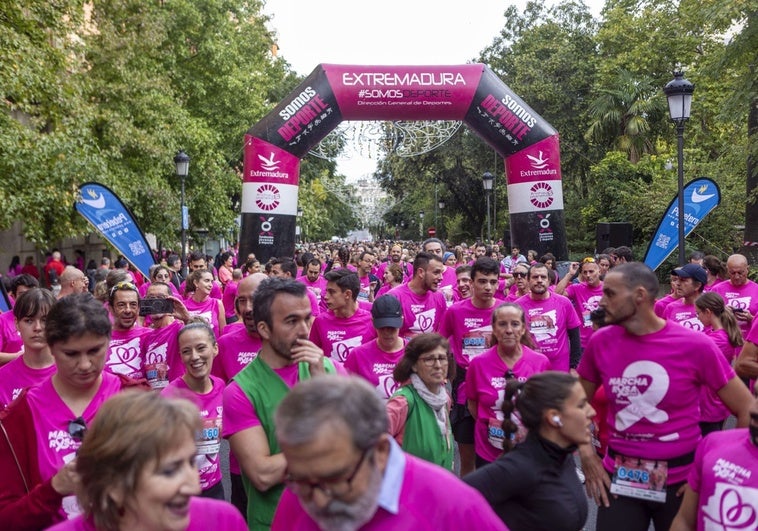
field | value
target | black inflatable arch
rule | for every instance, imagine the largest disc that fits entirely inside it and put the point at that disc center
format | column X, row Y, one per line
column 331, row 93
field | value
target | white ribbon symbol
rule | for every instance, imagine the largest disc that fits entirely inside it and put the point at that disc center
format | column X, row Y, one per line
column 644, row 405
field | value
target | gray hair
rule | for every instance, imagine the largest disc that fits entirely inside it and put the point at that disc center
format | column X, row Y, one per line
column 314, row 403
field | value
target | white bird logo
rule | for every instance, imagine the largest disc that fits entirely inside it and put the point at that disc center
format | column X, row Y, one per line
column 538, row 162
column 269, row 164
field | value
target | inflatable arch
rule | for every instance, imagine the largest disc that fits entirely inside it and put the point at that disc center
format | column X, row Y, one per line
column 470, row 93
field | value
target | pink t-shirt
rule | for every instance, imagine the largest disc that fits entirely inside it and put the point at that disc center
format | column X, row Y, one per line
column 337, row 336
column 376, row 366
column 160, row 349
column 712, row 409
column 10, row 339
column 684, row 314
column 317, row 288
column 207, row 309
column 215, row 290
column 125, row 354
column 743, row 297
column 421, row 313
column 549, row 321
column 230, row 292
column 204, row 514
column 724, row 476
column 485, row 384
column 469, row 330
column 585, row 300
column 650, row 382
column 145, row 285
column 448, row 284
column 211, row 410
column 662, row 303
column 235, row 351
column 55, row 447
column 17, row 375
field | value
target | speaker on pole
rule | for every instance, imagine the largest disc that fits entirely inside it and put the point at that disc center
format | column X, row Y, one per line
column 612, row 235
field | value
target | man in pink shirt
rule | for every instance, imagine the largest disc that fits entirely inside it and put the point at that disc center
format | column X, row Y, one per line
column 552, row 321
column 396, row 257
column 652, row 372
column 468, row 326
column 688, row 286
column 287, row 268
column 344, row 471
column 449, row 280
column 739, row 292
column 345, row 325
column 585, row 295
column 368, row 281
column 313, row 279
column 423, row 306
column 124, row 354
column 230, row 293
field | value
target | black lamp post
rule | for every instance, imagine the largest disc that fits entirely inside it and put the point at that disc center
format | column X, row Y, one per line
column 421, row 223
column 679, row 93
column 182, row 161
column 441, row 206
column 300, row 224
column 487, row 181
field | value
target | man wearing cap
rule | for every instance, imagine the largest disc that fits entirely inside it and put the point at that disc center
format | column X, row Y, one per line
column 689, row 281
column 739, row 292
column 375, row 361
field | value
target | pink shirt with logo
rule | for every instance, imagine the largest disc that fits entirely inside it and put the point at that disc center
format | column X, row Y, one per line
column 585, row 300
column 211, row 410
column 337, row 336
column 235, row 351
column 230, row 292
column 125, row 354
column 16, row 375
column 662, row 303
column 10, row 339
column 724, row 476
column 485, row 384
column 208, row 309
column 160, row 350
column 743, row 297
column 712, row 409
column 448, row 284
column 421, row 313
column 650, row 382
column 684, row 314
column 216, row 292
column 318, row 288
column 376, row 366
column 549, row 321
column 469, row 330
column 55, row 447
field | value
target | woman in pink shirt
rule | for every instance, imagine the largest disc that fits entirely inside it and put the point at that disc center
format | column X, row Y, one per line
column 198, row 300
column 138, row 470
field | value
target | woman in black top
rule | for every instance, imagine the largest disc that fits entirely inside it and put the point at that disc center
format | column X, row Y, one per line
column 533, row 486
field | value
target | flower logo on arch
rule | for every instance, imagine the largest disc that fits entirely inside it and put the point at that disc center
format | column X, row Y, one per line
column 541, row 195
column 267, row 197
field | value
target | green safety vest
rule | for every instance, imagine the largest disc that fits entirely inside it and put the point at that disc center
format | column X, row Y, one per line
column 265, row 389
column 422, row 436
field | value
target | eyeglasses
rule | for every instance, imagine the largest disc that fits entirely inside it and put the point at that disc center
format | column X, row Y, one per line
column 429, row 362
column 122, row 285
column 332, row 488
column 77, row 428
column 588, row 260
column 519, row 274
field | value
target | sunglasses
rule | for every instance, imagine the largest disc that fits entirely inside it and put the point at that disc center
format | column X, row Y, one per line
column 519, row 275
column 77, row 428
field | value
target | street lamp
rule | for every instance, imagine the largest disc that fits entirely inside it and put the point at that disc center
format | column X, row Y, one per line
column 299, row 228
column 441, row 206
column 421, row 223
column 182, row 161
column 487, row 181
column 679, row 94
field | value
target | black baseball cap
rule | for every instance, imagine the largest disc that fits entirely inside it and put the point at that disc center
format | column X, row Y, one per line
column 387, row 312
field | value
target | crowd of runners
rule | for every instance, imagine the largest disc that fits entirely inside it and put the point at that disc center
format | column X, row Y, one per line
column 380, row 385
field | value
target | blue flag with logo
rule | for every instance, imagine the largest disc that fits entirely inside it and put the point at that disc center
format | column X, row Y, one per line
column 105, row 211
column 700, row 197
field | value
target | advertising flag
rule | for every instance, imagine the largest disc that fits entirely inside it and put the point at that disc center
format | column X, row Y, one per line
column 105, row 211
column 700, row 197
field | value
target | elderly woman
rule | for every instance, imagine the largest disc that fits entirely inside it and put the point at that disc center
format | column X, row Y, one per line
column 41, row 430
column 534, row 485
column 419, row 412
column 138, row 470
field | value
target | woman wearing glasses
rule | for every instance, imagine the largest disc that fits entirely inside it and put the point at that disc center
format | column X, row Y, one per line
column 534, row 485
column 419, row 412
column 511, row 357
column 158, row 273
column 138, row 470
column 40, row 431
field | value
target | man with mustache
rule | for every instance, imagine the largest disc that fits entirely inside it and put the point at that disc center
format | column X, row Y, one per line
column 344, row 471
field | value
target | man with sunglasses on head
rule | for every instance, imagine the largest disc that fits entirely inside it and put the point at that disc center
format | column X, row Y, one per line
column 344, row 471
column 584, row 295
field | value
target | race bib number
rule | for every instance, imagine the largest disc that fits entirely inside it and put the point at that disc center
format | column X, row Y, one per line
column 210, row 437
column 644, row 479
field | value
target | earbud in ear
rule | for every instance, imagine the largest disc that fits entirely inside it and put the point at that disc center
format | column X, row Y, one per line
column 557, row 421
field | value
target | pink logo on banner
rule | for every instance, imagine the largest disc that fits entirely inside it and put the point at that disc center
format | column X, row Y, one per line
column 541, row 195
column 539, row 162
column 266, row 163
column 267, row 197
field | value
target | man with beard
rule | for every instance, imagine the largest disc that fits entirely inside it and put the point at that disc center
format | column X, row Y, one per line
column 722, row 488
column 282, row 315
column 423, row 306
column 345, row 472
column 652, row 371
column 449, row 281
column 395, row 257
column 552, row 321
column 584, row 295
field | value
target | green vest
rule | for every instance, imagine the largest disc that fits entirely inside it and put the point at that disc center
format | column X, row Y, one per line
column 422, row 436
column 265, row 390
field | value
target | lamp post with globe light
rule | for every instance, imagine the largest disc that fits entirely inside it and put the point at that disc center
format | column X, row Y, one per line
column 182, row 160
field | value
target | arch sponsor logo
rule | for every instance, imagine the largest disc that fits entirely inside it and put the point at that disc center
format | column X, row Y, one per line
column 267, row 197
column 541, row 195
